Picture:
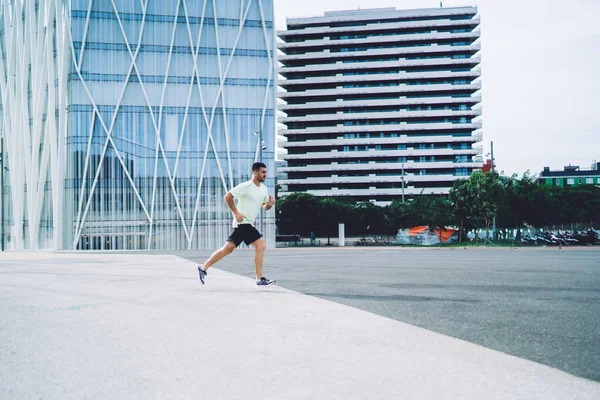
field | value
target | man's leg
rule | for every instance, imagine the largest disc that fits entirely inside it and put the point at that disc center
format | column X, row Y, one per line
column 259, row 255
column 227, row 249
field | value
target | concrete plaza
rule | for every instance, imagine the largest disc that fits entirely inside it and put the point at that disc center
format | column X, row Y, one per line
column 107, row 325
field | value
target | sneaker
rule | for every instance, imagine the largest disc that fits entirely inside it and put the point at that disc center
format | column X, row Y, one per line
column 264, row 282
column 201, row 273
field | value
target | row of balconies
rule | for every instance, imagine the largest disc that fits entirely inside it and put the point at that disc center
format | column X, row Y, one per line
column 376, row 26
column 384, row 128
column 372, row 192
column 341, row 105
column 371, row 178
column 402, row 77
column 372, row 166
column 340, row 117
column 372, row 91
column 475, row 137
column 335, row 154
column 400, row 52
column 365, row 65
column 327, row 43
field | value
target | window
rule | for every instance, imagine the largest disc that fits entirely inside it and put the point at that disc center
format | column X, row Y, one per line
column 589, row 181
column 557, row 181
column 570, row 181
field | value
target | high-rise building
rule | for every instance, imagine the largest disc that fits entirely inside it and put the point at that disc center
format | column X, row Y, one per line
column 126, row 122
column 381, row 102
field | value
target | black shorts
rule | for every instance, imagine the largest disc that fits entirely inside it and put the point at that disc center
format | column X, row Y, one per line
column 246, row 233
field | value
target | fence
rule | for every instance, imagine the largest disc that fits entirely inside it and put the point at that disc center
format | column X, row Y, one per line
column 574, row 234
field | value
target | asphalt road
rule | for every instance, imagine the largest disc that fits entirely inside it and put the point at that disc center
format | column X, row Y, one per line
column 538, row 304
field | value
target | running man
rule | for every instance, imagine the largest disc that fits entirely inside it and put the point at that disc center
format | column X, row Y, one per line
column 250, row 195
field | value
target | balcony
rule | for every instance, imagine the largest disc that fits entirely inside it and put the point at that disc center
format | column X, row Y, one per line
column 326, row 43
column 380, row 141
column 382, row 115
column 373, row 166
column 340, row 66
column 383, row 128
column 400, row 52
column 341, row 105
column 371, row 178
column 404, row 77
column 373, row 91
column 391, row 26
column 373, row 154
column 373, row 192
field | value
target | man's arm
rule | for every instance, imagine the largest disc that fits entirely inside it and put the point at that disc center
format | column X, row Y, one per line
column 239, row 217
column 267, row 206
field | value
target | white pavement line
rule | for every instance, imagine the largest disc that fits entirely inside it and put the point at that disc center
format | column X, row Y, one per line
column 141, row 326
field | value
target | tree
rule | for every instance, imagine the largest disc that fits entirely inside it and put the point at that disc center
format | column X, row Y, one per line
column 398, row 215
column 330, row 212
column 367, row 218
column 462, row 197
column 517, row 207
column 297, row 213
column 477, row 199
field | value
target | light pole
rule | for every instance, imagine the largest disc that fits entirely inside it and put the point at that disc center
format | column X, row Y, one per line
column 493, row 169
column 492, row 155
column 403, row 182
column 2, row 190
column 261, row 146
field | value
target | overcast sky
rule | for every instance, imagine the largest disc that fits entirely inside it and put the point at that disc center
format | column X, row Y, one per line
column 540, row 75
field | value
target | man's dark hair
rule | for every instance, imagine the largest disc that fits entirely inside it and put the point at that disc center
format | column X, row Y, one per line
column 257, row 166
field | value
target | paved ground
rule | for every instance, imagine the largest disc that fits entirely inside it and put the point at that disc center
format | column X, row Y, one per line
column 112, row 326
column 540, row 304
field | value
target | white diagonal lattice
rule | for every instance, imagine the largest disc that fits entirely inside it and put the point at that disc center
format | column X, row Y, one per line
column 113, row 194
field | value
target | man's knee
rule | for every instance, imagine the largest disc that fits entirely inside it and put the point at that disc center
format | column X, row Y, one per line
column 228, row 248
column 260, row 246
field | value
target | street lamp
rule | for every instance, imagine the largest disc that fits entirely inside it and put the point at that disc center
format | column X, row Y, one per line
column 403, row 182
column 261, row 146
column 2, row 190
column 491, row 154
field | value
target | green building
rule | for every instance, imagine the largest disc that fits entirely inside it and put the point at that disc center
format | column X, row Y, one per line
column 571, row 176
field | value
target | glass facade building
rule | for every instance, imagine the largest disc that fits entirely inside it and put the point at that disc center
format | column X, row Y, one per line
column 126, row 122
column 381, row 103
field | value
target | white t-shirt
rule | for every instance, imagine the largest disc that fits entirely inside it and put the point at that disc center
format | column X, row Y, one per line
column 249, row 200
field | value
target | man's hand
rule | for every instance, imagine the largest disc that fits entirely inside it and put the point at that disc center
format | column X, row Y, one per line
column 239, row 217
column 267, row 206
